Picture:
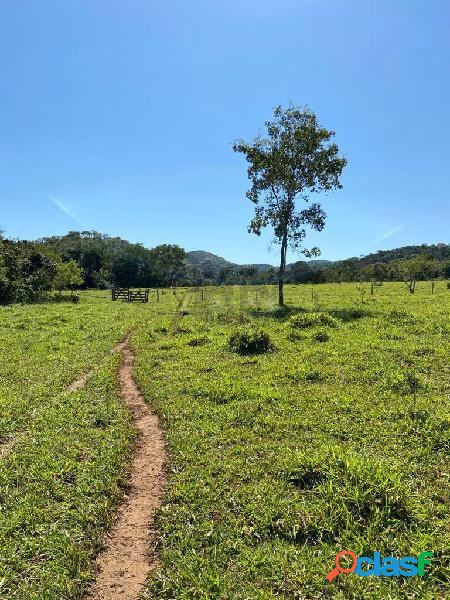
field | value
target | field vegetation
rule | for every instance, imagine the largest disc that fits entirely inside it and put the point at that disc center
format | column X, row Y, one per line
column 63, row 453
column 336, row 438
column 293, row 433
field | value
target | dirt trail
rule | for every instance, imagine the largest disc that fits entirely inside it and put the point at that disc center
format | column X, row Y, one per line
column 5, row 447
column 79, row 383
column 129, row 555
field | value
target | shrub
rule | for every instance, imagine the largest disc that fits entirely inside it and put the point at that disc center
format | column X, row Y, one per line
column 401, row 317
column 405, row 382
column 321, row 336
column 304, row 321
column 26, row 273
column 249, row 340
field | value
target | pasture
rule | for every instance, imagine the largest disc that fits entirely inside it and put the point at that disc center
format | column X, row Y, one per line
column 336, row 437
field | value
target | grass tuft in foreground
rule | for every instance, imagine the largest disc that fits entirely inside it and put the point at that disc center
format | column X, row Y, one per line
column 250, row 340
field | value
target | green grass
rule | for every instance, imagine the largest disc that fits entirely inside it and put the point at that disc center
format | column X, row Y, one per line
column 337, row 438
column 280, row 460
column 45, row 346
column 65, row 453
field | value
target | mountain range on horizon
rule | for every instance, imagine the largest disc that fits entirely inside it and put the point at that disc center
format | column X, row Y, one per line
column 202, row 259
column 76, row 243
column 107, row 261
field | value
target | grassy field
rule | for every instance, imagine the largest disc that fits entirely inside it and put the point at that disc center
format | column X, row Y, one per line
column 64, row 454
column 281, row 460
column 336, row 438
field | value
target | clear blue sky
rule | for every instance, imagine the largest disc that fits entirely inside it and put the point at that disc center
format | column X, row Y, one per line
column 120, row 116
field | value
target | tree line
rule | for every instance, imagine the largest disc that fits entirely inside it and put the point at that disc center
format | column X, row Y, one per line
column 417, row 262
column 89, row 259
column 80, row 260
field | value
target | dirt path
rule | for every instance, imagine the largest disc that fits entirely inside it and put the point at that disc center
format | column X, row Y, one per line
column 79, row 383
column 5, row 447
column 129, row 555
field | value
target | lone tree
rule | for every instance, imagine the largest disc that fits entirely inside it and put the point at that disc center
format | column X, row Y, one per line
column 68, row 276
column 168, row 263
column 295, row 159
column 412, row 270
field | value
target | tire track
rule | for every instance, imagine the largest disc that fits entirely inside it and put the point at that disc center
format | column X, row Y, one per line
column 129, row 554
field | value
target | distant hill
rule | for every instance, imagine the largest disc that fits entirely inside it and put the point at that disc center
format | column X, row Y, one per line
column 207, row 262
column 199, row 258
column 314, row 264
column 437, row 251
column 202, row 260
column 319, row 263
column 260, row 267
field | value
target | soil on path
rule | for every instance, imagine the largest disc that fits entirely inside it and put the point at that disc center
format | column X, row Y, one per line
column 129, row 555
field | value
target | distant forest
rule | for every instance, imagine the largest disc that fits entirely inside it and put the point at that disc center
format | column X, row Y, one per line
column 89, row 259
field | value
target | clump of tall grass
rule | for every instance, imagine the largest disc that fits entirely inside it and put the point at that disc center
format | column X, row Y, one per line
column 250, row 340
column 321, row 336
column 401, row 317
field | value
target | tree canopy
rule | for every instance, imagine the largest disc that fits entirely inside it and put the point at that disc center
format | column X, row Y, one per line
column 295, row 159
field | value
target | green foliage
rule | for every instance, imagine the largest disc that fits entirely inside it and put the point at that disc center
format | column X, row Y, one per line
column 249, row 340
column 296, row 159
column 26, row 271
column 405, row 382
column 412, row 270
column 68, row 276
column 168, row 263
column 205, row 268
column 321, row 336
column 107, row 261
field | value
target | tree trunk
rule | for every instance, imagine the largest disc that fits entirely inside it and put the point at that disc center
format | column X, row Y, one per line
column 282, row 270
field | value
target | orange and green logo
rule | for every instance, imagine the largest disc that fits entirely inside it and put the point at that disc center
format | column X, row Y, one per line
column 389, row 566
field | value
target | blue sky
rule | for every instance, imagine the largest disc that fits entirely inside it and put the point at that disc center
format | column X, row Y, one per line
column 120, row 116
